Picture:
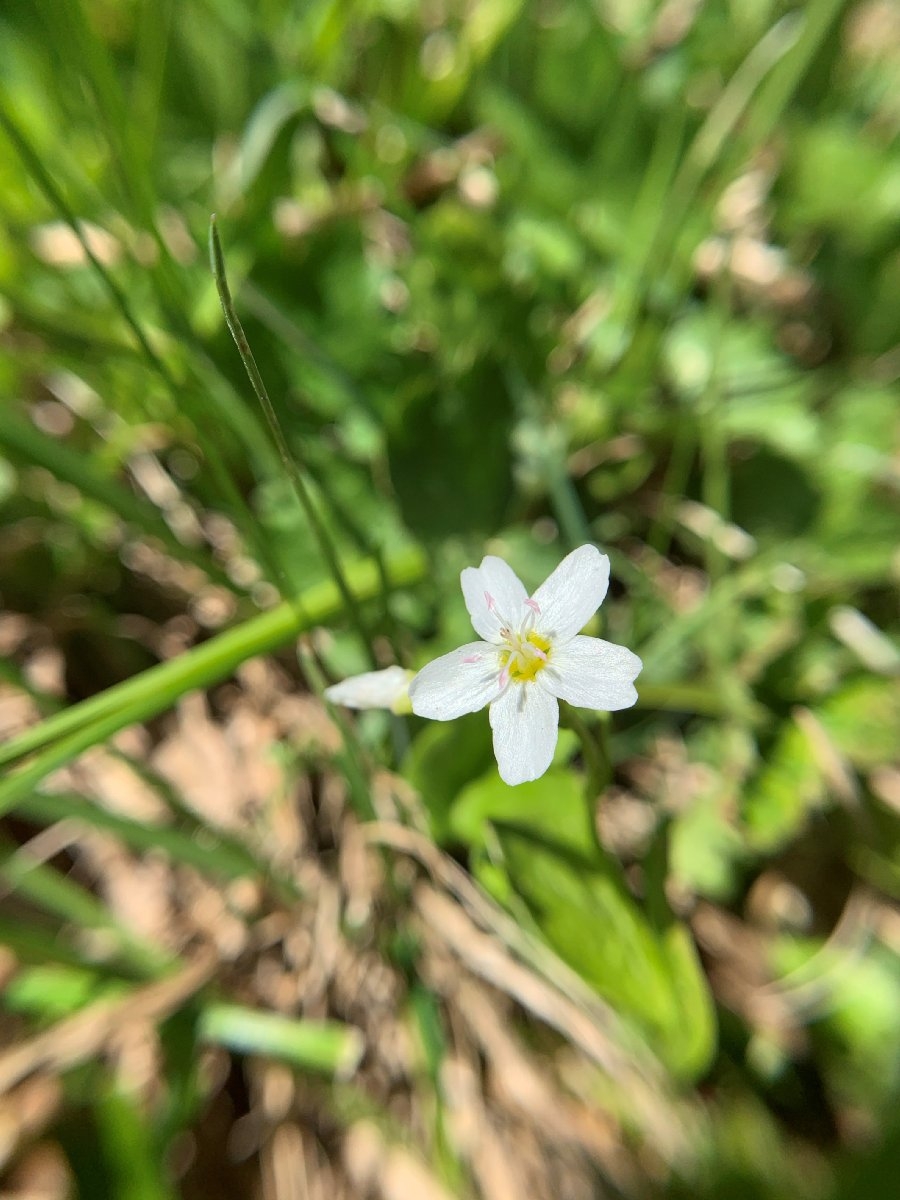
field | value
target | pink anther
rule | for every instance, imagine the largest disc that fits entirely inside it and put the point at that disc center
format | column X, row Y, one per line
column 533, row 605
column 490, row 601
column 472, row 658
column 504, row 678
column 540, row 653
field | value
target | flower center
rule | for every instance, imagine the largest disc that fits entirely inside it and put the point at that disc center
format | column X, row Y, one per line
column 525, row 656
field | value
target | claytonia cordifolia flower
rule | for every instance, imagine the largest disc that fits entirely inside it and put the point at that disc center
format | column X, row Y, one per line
column 375, row 689
column 531, row 657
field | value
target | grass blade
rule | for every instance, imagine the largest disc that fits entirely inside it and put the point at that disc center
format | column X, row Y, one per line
column 138, row 699
column 299, row 485
column 326, row 1046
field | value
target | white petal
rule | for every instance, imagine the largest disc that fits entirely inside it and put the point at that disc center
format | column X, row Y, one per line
column 497, row 580
column 591, row 673
column 375, row 689
column 572, row 594
column 524, row 720
column 459, row 682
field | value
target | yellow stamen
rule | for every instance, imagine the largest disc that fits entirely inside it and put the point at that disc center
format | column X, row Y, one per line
column 526, row 656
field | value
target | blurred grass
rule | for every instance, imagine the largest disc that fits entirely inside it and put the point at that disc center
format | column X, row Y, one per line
column 515, row 276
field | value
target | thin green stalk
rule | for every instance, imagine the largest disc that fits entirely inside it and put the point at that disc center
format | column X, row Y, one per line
column 353, row 756
column 298, row 340
column 301, row 491
column 21, row 783
column 595, row 750
column 567, row 507
column 303, row 344
column 775, row 93
column 159, row 687
column 366, row 546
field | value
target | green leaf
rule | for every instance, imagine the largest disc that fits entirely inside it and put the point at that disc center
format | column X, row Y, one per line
column 155, row 690
column 781, row 796
column 863, row 719
column 50, row 992
column 444, row 757
column 651, row 975
column 552, row 806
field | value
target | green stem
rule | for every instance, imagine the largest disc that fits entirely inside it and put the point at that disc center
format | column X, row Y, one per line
column 301, row 490
column 596, row 759
column 154, row 690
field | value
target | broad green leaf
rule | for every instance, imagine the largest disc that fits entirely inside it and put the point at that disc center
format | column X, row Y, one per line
column 552, row 806
column 444, row 757
column 651, row 975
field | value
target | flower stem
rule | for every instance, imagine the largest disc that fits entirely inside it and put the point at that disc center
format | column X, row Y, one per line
column 597, row 760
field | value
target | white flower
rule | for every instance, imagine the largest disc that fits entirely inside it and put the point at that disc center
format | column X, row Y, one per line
column 375, row 689
column 531, row 657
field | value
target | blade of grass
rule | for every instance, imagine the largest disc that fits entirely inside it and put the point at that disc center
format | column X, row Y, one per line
column 326, row 1046
column 757, row 95
column 300, row 342
column 132, row 158
column 777, row 90
column 158, row 688
column 298, row 483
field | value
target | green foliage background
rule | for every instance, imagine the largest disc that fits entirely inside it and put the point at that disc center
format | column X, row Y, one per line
column 517, row 276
